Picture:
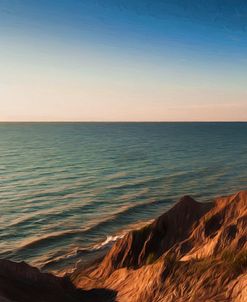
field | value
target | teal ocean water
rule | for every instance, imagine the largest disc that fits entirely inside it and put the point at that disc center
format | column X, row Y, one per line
column 68, row 190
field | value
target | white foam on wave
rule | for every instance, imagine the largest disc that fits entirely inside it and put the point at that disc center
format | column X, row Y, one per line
column 76, row 252
column 69, row 261
column 107, row 241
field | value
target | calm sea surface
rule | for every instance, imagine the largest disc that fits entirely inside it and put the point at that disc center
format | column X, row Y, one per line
column 68, row 190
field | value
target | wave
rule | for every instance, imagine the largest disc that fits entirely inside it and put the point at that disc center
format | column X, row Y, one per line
column 109, row 240
column 116, row 219
column 76, row 253
column 95, row 249
column 45, row 240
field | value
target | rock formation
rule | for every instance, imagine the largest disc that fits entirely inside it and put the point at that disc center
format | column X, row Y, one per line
column 194, row 252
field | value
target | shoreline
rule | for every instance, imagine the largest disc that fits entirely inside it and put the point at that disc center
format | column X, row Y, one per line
column 191, row 240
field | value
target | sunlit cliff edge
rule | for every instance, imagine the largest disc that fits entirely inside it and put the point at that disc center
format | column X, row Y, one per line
column 194, row 252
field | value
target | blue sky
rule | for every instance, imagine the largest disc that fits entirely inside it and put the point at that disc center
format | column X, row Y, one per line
column 123, row 60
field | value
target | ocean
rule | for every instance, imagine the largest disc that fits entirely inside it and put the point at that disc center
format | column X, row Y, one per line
column 69, row 190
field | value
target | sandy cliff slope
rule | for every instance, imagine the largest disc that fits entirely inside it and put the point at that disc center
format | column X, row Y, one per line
column 194, row 252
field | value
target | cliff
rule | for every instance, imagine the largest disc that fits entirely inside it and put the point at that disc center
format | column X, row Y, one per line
column 194, row 252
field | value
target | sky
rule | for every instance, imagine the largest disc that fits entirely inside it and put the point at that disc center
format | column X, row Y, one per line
column 123, row 60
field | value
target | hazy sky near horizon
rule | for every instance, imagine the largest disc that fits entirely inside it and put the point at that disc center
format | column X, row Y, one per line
column 123, row 60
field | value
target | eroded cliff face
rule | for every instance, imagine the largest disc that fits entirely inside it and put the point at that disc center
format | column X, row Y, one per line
column 193, row 252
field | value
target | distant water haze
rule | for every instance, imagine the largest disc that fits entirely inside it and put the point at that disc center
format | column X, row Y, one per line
column 68, row 190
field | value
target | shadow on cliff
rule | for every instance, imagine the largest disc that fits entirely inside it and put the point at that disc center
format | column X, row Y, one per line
column 20, row 282
column 98, row 295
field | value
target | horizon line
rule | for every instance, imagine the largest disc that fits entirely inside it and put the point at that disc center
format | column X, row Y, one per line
column 131, row 121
